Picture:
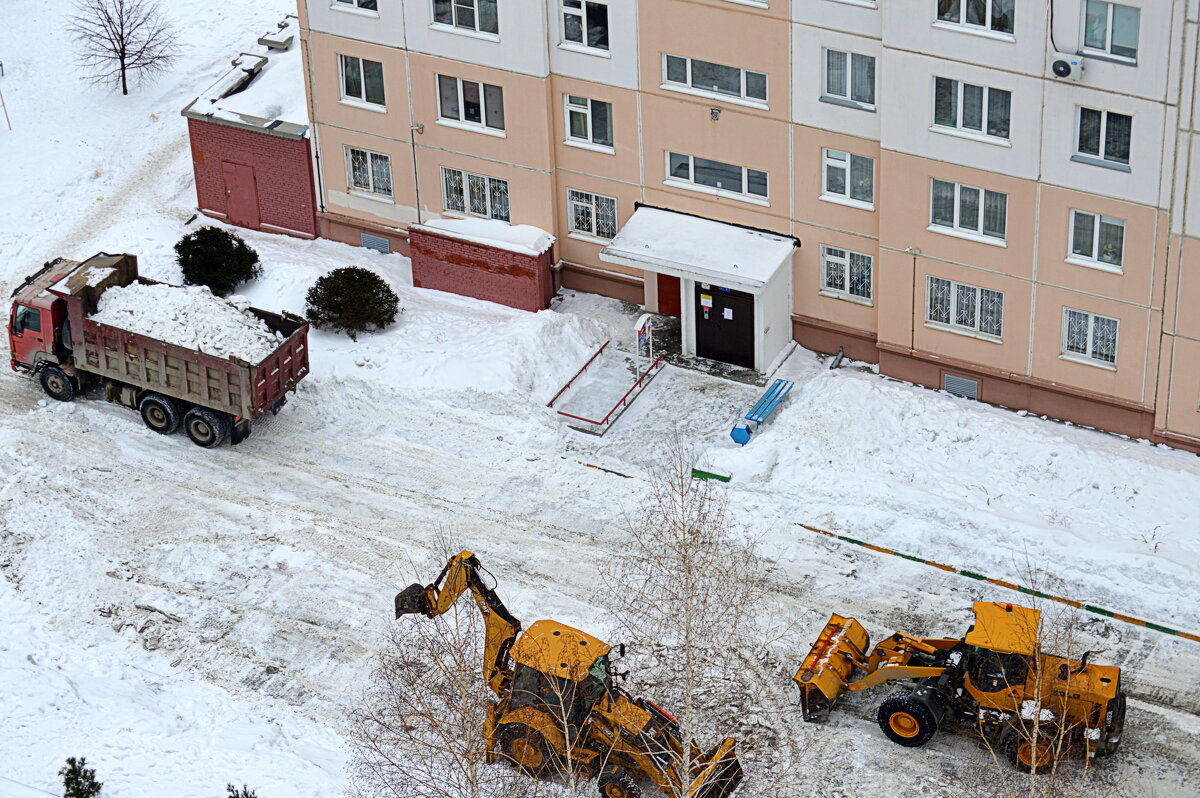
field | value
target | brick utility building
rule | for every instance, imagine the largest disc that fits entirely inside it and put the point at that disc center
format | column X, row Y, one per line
column 249, row 135
column 993, row 196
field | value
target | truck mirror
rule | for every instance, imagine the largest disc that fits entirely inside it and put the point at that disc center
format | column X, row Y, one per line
column 620, row 650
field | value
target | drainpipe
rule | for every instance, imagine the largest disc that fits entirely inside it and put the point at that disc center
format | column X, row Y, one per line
column 413, row 127
column 912, row 324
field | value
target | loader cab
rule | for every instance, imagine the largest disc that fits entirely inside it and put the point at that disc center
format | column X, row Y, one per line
column 560, row 670
column 993, row 671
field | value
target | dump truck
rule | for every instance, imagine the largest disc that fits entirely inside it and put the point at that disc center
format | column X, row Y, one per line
column 52, row 335
column 558, row 708
column 1036, row 708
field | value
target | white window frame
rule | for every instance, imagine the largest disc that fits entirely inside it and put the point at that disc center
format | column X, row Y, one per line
column 848, row 98
column 456, row 26
column 582, row 13
column 363, row 79
column 686, row 87
column 464, row 182
column 366, row 7
column 1101, row 158
column 952, row 324
column 370, row 190
column 830, row 160
column 971, row 27
column 690, row 184
column 461, row 121
column 579, row 198
column 985, row 112
column 957, row 229
column 586, row 110
column 1089, row 357
column 1094, row 261
column 843, row 259
column 1106, row 50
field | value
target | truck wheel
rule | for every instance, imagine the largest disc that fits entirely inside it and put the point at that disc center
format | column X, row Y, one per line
column 57, row 385
column 616, row 782
column 907, row 720
column 206, row 427
column 526, row 748
column 159, row 413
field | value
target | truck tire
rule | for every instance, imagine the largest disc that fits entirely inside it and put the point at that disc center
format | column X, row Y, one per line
column 206, row 427
column 57, row 384
column 906, row 720
column 160, row 413
column 617, row 782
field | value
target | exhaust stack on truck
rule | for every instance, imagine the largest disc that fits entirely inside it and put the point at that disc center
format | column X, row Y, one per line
column 212, row 382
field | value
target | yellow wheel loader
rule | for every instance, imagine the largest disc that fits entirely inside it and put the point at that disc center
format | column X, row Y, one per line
column 1033, row 707
column 558, row 708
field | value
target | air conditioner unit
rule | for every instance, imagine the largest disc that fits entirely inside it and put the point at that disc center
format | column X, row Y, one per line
column 1065, row 66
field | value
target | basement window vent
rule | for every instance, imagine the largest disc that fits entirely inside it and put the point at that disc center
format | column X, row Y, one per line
column 960, row 386
column 377, row 243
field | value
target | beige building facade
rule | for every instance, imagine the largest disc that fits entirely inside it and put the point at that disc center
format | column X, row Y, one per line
column 991, row 197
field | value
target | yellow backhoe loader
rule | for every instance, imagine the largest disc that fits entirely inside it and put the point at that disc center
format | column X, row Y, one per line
column 558, row 707
column 1034, row 707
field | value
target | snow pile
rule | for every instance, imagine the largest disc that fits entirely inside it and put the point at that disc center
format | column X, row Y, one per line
column 191, row 317
column 521, row 238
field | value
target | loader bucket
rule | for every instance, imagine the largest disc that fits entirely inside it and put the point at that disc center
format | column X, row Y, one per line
column 412, row 599
column 717, row 773
column 823, row 675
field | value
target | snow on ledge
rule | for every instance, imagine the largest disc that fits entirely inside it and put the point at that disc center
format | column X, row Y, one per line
column 521, row 238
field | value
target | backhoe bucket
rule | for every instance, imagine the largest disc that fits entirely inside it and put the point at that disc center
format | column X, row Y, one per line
column 717, row 773
column 840, row 648
column 411, row 600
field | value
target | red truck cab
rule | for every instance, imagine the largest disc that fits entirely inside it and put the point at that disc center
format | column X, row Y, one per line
column 37, row 318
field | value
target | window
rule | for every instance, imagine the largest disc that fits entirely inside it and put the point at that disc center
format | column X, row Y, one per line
column 471, row 103
column 370, row 172
column 476, row 15
column 475, row 194
column 970, row 108
column 1104, row 135
column 714, row 174
column 592, row 214
column 585, row 24
column 994, row 15
column 589, row 121
column 966, row 307
column 850, row 77
column 846, row 273
column 957, row 207
column 1099, row 239
column 365, row 5
column 714, row 78
column 27, row 318
column 849, row 176
column 1089, row 335
column 1110, row 28
column 362, row 80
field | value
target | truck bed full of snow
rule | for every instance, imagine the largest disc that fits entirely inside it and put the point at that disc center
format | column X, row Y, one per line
column 188, row 316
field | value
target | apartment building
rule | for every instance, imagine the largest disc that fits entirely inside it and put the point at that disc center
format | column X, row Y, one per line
column 986, row 196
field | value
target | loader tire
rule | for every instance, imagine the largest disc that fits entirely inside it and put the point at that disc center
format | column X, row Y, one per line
column 617, row 782
column 527, row 750
column 907, row 720
column 160, row 413
column 56, row 384
column 1031, row 753
column 206, row 428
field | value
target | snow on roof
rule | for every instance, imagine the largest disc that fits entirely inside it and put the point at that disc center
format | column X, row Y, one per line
column 675, row 243
column 272, row 98
column 523, row 238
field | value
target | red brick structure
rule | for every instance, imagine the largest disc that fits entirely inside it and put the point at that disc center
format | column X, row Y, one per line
column 447, row 263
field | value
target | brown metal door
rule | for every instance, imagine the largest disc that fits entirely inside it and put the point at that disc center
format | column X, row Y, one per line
column 241, row 195
column 668, row 295
column 725, row 325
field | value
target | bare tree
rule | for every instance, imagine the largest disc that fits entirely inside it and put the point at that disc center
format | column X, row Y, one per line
column 119, row 37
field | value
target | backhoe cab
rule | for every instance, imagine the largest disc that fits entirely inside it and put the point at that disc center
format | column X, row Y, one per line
column 558, row 708
column 1035, row 707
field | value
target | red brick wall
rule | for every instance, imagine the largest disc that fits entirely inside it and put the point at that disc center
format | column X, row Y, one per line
column 282, row 173
column 497, row 275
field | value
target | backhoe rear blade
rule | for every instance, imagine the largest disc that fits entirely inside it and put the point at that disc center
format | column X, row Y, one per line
column 825, row 672
column 719, row 772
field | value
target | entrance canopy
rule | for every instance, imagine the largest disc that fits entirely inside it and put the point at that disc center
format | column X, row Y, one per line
column 665, row 242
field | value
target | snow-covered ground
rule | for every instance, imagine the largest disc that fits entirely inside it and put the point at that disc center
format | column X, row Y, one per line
column 186, row 618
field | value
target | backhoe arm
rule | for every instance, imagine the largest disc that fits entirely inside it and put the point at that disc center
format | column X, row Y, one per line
column 461, row 574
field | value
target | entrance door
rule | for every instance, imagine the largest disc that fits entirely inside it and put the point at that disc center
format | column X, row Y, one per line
column 241, row 195
column 725, row 325
column 668, row 295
